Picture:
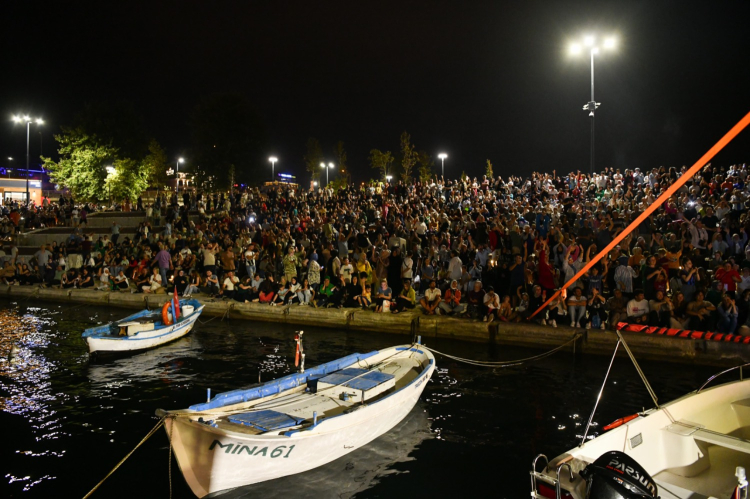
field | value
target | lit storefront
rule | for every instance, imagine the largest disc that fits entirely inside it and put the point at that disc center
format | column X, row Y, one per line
column 14, row 189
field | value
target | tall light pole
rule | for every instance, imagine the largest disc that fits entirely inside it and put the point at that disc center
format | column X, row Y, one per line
column 10, row 163
column 590, row 43
column 442, row 157
column 28, row 120
column 177, row 176
column 327, row 167
column 273, row 160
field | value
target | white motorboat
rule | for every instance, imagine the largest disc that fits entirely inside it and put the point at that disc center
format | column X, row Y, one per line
column 145, row 329
column 298, row 422
column 694, row 447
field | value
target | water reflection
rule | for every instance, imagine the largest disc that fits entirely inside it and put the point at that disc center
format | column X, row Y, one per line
column 164, row 363
column 25, row 381
column 353, row 473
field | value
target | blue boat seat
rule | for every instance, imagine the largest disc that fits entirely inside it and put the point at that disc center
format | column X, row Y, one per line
column 281, row 384
column 357, row 379
column 266, row 420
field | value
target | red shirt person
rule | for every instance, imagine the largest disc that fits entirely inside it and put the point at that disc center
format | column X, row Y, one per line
column 728, row 277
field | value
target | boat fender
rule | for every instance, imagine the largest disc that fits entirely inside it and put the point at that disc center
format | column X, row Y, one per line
column 620, row 422
column 165, row 314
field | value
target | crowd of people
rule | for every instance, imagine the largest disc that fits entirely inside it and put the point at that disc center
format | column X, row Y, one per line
column 493, row 249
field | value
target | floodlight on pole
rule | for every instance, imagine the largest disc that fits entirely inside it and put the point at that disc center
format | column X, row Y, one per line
column 28, row 120
column 327, row 167
column 590, row 41
column 177, row 175
column 273, row 160
column 442, row 157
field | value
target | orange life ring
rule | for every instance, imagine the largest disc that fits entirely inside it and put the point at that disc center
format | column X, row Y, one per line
column 165, row 314
column 620, row 422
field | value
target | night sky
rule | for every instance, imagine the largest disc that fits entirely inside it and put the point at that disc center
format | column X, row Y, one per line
column 476, row 79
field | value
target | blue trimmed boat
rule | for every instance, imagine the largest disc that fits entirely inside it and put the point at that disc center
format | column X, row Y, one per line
column 143, row 330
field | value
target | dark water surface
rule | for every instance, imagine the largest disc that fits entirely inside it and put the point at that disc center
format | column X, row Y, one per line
column 67, row 420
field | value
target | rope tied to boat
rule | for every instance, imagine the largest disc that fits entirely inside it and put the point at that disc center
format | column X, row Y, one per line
column 148, row 435
column 503, row 363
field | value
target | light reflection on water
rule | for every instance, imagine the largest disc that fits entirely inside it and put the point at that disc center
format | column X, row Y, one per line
column 71, row 420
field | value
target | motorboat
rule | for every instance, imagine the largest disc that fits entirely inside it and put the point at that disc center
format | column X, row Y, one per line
column 298, row 422
column 145, row 329
column 695, row 447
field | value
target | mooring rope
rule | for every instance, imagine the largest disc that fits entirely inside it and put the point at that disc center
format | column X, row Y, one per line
column 149, row 435
column 503, row 363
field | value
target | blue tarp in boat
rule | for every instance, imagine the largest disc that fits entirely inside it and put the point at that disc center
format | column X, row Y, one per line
column 266, row 420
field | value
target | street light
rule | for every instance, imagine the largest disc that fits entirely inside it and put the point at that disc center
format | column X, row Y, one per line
column 388, row 178
column 327, row 167
column 177, row 177
column 442, row 157
column 27, row 119
column 273, row 160
column 590, row 42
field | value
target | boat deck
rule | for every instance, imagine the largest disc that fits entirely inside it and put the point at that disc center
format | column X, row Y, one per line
column 301, row 407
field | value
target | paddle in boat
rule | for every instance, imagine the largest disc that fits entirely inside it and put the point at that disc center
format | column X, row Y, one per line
column 298, row 422
column 695, row 447
column 145, row 329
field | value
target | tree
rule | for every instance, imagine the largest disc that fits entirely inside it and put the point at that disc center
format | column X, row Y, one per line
column 156, row 165
column 313, row 157
column 381, row 161
column 340, row 154
column 490, row 175
column 425, row 163
column 226, row 131
column 464, row 177
column 408, row 157
column 82, row 165
column 129, row 179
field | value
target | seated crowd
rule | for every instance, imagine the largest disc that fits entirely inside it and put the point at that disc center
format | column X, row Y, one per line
column 489, row 250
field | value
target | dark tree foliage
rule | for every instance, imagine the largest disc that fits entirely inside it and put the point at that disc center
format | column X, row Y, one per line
column 115, row 124
column 227, row 132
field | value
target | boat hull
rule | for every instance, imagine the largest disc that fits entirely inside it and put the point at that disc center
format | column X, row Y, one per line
column 689, row 446
column 145, row 339
column 212, row 460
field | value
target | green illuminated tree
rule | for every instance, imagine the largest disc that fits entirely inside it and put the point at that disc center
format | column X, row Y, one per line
column 82, row 165
column 156, row 165
column 408, row 157
column 129, row 179
column 382, row 161
column 489, row 172
column 425, row 163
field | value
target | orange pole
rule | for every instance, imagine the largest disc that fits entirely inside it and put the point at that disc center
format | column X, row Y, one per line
column 731, row 134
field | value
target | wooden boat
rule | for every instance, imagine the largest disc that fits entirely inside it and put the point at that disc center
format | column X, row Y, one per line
column 145, row 329
column 694, row 447
column 298, row 422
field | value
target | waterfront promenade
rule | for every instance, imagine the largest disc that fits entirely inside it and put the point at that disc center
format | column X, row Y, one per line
column 410, row 324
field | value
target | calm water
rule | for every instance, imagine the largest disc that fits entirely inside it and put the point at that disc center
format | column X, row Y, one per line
column 68, row 420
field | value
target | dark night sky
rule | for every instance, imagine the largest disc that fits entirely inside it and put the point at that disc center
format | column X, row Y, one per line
column 476, row 79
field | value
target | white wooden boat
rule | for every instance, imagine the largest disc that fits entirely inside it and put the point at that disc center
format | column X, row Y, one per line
column 689, row 448
column 145, row 329
column 298, row 422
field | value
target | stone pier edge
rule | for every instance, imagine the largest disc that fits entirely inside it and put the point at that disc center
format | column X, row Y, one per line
column 409, row 324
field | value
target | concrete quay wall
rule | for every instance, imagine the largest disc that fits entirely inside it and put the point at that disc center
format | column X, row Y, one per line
column 594, row 342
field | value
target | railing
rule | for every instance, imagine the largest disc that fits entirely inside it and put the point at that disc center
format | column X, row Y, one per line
column 722, row 372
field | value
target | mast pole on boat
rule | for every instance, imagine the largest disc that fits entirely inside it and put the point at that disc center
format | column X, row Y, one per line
column 599, row 397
